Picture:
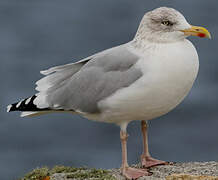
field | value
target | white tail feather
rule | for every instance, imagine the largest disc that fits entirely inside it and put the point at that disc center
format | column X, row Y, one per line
column 32, row 114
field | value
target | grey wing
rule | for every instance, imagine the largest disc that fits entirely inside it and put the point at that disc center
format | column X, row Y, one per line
column 97, row 79
column 55, row 78
column 58, row 74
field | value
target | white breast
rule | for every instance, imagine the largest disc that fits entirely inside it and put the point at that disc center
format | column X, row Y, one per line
column 169, row 71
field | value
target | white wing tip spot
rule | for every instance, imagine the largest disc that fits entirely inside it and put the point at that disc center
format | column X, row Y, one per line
column 9, row 108
column 28, row 100
column 18, row 104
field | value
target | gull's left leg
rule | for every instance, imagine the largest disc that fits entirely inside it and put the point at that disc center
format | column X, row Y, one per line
column 129, row 172
column 146, row 159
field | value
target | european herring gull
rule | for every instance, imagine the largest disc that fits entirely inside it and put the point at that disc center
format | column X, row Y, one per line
column 140, row 80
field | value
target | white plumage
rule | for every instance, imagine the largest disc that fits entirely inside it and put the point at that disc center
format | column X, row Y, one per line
column 168, row 76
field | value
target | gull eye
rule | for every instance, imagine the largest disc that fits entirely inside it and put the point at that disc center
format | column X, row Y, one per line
column 167, row 23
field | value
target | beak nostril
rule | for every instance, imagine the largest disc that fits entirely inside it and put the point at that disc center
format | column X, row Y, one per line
column 197, row 29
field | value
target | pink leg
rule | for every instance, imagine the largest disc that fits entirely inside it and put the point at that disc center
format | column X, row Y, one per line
column 146, row 159
column 128, row 172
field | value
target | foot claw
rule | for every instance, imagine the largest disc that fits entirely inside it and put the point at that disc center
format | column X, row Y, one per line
column 134, row 173
column 171, row 163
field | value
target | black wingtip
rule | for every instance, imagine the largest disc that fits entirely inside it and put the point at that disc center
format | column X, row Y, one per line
column 24, row 105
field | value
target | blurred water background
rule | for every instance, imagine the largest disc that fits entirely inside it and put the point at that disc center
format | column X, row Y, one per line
column 35, row 35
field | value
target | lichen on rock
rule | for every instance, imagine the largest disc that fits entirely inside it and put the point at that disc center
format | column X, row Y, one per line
column 68, row 173
column 176, row 171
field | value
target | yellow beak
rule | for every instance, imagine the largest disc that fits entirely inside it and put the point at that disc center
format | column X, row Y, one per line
column 197, row 31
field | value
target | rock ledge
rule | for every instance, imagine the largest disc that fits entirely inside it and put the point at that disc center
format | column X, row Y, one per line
column 177, row 171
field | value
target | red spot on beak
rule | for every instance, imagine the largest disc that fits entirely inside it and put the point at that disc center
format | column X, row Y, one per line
column 202, row 35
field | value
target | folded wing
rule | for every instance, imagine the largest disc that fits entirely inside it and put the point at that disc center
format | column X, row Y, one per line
column 79, row 87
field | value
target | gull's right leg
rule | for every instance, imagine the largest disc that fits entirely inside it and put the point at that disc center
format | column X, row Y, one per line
column 128, row 172
column 146, row 159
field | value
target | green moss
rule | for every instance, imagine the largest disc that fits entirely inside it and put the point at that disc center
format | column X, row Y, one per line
column 77, row 173
column 97, row 174
column 64, row 169
column 37, row 174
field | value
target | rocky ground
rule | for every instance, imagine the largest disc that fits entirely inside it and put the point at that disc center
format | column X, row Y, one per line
column 181, row 171
column 177, row 171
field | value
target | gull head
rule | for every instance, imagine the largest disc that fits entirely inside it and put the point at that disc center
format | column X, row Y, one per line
column 167, row 25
